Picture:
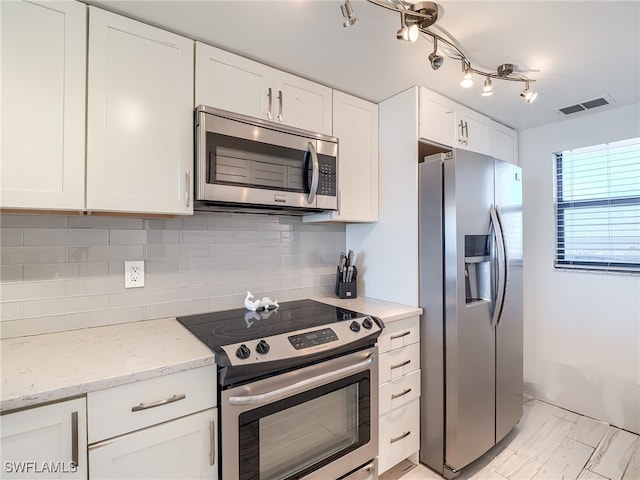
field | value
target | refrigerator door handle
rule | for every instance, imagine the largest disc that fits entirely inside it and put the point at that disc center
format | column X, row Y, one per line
column 501, row 270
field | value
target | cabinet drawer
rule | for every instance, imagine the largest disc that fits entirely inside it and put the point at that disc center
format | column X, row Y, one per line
column 399, row 333
column 399, row 434
column 399, row 362
column 399, row 392
column 130, row 407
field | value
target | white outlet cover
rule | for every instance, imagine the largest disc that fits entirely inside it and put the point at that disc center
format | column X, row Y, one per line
column 134, row 274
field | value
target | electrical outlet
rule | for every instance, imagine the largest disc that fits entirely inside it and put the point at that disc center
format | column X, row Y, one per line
column 134, row 274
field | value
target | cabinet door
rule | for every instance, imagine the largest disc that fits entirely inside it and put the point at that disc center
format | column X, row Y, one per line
column 139, row 117
column 179, row 449
column 301, row 103
column 355, row 123
column 504, row 143
column 43, row 442
column 474, row 131
column 43, row 97
column 234, row 83
column 437, row 118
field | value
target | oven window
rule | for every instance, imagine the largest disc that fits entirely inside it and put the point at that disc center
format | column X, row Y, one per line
column 293, row 437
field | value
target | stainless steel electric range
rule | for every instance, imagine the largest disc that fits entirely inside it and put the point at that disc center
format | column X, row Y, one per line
column 297, row 391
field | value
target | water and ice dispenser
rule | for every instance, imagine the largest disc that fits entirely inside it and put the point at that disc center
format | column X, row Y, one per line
column 477, row 270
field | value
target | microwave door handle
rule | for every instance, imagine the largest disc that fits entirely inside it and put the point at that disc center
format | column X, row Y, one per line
column 315, row 172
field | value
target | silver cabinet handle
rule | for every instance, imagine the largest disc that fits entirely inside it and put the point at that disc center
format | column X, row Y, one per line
column 406, row 362
column 402, row 394
column 400, row 335
column 301, row 386
column 404, row 435
column 270, row 97
column 187, row 192
column 75, row 458
column 280, row 105
column 212, row 447
column 146, row 406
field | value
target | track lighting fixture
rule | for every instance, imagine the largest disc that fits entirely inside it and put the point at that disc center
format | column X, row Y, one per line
column 347, row 13
column 528, row 95
column 487, row 89
column 407, row 32
column 435, row 59
column 419, row 17
column 467, row 79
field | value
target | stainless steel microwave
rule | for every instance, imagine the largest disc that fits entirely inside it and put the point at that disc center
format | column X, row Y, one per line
column 251, row 164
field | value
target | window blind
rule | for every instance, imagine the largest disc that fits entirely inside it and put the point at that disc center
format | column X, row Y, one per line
column 598, row 207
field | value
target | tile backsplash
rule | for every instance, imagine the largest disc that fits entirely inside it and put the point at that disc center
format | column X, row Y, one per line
column 67, row 272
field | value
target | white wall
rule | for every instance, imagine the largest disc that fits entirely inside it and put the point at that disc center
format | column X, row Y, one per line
column 582, row 330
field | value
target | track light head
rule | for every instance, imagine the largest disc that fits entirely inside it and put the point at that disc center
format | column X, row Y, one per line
column 467, row 79
column 487, row 90
column 347, row 13
column 436, row 60
column 528, row 94
column 408, row 31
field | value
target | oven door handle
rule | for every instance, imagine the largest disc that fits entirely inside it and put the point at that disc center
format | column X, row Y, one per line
column 302, row 386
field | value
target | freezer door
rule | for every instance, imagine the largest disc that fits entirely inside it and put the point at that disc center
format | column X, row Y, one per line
column 509, row 376
column 469, row 338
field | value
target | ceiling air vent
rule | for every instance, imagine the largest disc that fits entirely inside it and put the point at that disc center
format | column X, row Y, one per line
column 579, row 107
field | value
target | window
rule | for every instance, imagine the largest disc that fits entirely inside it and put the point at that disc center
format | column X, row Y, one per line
column 598, row 207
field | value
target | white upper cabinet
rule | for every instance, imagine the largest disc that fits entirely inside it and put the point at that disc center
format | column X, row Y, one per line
column 450, row 124
column 237, row 84
column 473, row 131
column 437, row 118
column 139, row 117
column 355, row 123
column 504, row 143
column 43, row 105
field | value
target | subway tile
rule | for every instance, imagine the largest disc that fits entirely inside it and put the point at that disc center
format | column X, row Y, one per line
column 127, row 237
column 32, row 255
column 258, row 237
column 162, row 237
column 160, row 252
column 56, row 306
column 225, row 274
column 142, row 296
column 105, row 253
column 103, row 221
column 96, row 286
column 71, row 236
column 205, row 237
column 33, row 290
column 10, row 273
column 54, row 271
column 205, row 264
column 257, row 287
column 33, row 221
column 174, row 309
column 33, row 326
column 176, row 279
column 163, row 223
column 106, row 317
column 10, row 237
column 231, row 222
column 170, row 265
column 10, row 311
column 195, row 222
column 195, row 292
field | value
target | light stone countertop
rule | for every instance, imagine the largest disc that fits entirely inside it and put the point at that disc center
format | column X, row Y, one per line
column 387, row 311
column 54, row 366
column 43, row 368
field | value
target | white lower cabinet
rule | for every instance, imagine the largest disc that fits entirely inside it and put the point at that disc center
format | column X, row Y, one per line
column 45, row 442
column 399, row 394
column 180, row 449
column 164, row 427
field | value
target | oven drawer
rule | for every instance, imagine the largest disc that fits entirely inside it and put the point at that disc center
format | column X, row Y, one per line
column 399, row 392
column 114, row 411
column 399, row 334
column 399, row 434
column 399, row 362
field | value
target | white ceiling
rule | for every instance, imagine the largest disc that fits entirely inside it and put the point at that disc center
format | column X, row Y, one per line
column 583, row 49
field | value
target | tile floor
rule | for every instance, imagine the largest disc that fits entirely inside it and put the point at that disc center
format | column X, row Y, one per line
column 549, row 443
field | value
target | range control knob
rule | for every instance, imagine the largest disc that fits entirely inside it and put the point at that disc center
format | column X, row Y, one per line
column 355, row 326
column 243, row 352
column 367, row 323
column 262, row 347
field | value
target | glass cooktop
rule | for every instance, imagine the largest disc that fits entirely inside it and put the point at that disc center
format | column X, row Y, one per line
column 217, row 329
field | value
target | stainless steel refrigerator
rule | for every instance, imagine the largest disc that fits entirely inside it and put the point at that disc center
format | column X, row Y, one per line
column 470, row 254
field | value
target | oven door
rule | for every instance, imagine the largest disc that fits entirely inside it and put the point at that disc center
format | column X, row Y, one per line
column 318, row 422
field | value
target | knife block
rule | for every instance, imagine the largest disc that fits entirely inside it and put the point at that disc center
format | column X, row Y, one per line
column 347, row 289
